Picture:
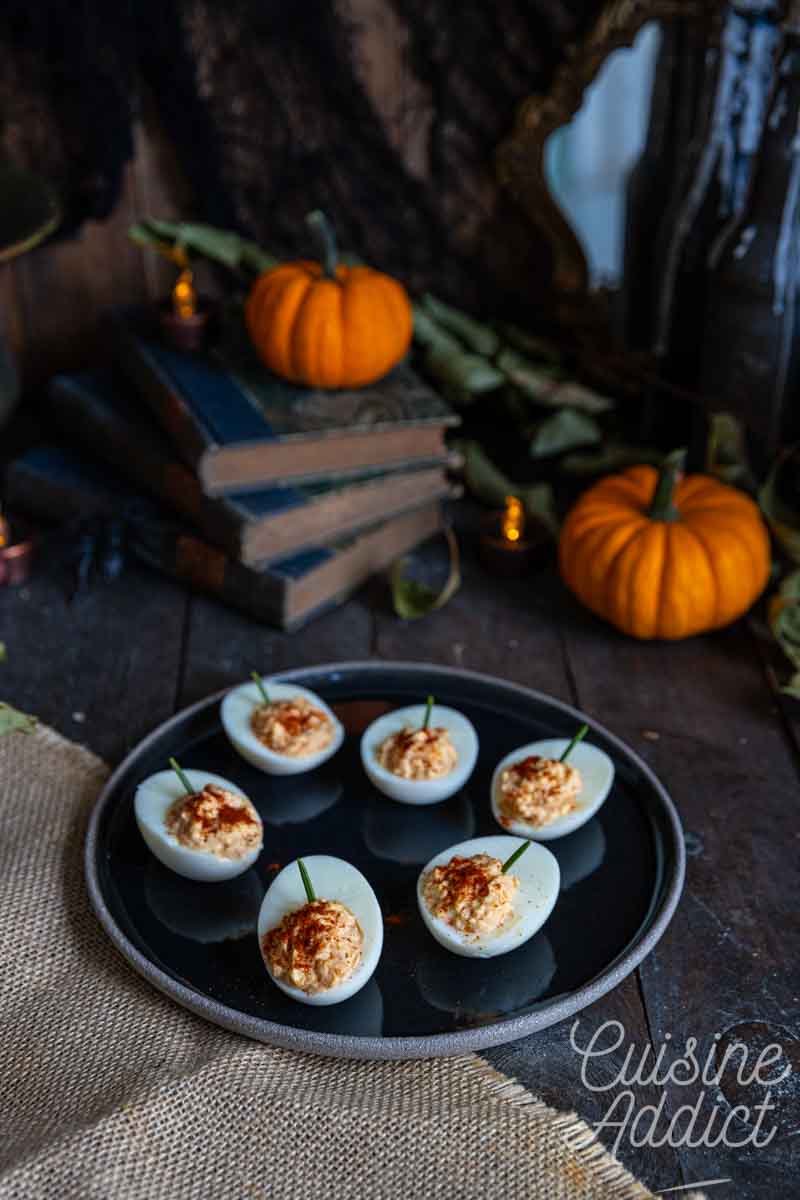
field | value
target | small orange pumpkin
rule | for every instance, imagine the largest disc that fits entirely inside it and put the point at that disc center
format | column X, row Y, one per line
column 325, row 324
column 663, row 556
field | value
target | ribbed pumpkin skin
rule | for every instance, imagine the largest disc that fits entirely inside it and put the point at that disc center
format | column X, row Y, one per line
column 664, row 579
column 328, row 333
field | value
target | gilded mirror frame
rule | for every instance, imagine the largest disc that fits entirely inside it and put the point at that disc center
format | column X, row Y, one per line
column 520, row 158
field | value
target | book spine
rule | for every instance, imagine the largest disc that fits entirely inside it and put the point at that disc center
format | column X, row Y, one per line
column 92, row 423
column 191, row 440
column 154, row 541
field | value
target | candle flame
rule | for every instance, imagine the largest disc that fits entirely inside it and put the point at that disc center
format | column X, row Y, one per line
column 513, row 519
column 184, row 295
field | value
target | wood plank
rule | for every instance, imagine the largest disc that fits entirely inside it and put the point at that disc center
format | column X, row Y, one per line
column 102, row 671
column 223, row 646
column 701, row 714
column 511, row 628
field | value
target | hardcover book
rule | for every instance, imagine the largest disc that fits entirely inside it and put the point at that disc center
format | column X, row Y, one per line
column 255, row 527
column 56, row 484
column 239, row 427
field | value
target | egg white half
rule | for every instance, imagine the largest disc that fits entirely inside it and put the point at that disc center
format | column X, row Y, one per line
column 597, row 776
column 420, row 791
column 154, row 796
column 237, row 709
column 539, row 882
column 332, row 879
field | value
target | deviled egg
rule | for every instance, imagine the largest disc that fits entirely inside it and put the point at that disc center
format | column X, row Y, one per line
column 421, row 754
column 550, row 788
column 489, row 895
column 320, row 930
column 280, row 728
column 198, row 824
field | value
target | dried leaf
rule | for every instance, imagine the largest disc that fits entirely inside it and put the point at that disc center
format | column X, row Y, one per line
column 14, row 721
column 545, row 384
column 613, row 456
column 726, row 451
column 784, row 617
column 565, row 430
column 530, row 343
column 479, row 337
column 220, row 245
column 468, row 375
column 413, row 599
column 783, row 520
column 432, row 336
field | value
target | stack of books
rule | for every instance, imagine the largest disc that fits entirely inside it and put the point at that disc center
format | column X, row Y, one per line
column 279, row 499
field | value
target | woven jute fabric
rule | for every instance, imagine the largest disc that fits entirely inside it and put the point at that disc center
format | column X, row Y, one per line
column 108, row 1089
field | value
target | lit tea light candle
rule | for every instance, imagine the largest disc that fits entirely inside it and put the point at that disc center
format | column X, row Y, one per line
column 510, row 541
column 16, row 553
column 185, row 316
column 513, row 523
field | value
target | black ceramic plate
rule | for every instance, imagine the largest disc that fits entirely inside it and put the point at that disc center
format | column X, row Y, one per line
column 621, row 878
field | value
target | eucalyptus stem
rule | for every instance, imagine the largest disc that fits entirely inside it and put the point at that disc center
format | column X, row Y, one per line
column 179, row 771
column 259, row 682
column 518, row 853
column 579, row 736
column 428, row 707
column 301, row 866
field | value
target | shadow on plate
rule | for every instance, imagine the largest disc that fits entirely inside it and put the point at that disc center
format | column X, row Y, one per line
column 482, row 989
column 579, row 853
column 203, row 912
column 411, row 835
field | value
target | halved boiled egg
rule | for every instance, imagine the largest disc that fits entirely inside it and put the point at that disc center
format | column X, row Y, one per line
column 403, row 723
column 311, row 943
column 528, row 906
column 596, row 777
column 155, row 797
column 320, row 740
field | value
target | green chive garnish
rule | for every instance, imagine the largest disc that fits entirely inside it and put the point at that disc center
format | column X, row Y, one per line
column 182, row 776
column 579, row 736
column 428, row 707
column 518, row 853
column 259, row 682
column 306, row 881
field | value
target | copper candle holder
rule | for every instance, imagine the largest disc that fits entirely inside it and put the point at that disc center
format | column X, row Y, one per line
column 17, row 548
column 512, row 543
column 187, row 332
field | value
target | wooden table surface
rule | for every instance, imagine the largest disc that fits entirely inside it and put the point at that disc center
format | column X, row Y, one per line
column 108, row 668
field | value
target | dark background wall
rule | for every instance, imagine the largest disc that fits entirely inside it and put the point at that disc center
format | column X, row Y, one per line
column 385, row 112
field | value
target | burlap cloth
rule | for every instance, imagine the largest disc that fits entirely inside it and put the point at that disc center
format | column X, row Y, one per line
column 109, row 1089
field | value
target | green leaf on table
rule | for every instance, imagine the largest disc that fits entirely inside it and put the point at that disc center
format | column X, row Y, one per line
column 613, row 456
column 413, row 599
column 3, row 652
column 783, row 520
column 792, row 686
column 488, row 484
column 14, row 721
column 431, row 335
column 479, row 337
column 565, row 430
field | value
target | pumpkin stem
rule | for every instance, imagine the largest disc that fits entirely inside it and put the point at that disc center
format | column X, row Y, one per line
column 325, row 238
column 663, row 507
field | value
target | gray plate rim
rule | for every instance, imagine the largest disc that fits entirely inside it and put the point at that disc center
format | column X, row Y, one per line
column 350, row 1046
